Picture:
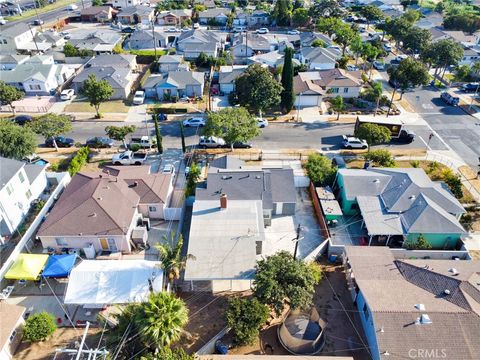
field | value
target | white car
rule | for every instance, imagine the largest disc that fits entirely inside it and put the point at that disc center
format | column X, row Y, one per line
column 293, row 32
column 67, row 94
column 139, row 97
column 379, row 65
column 194, row 122
column 2, row 21
column 211, row 142
column 168, row 169
column 72, row 7
column 401, row 57
column 387, row 47
column 352, row 68
column 262, row 31
column 171, row 29
column 262, row 122
column 351, row 142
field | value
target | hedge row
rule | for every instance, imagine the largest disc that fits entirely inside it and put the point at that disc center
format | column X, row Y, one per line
column 79, row 160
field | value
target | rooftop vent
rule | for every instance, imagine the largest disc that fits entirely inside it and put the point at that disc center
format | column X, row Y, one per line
column 93, row 215
column 258, row 177
column 453, row 271
column 446, row 292
column 420, row 307
column 226, row 177
column 99, row 198
column 376, row 181
column 423, row 320
column 412, row 197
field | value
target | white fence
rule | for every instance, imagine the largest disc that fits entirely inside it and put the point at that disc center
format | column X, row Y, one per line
column 63, row 179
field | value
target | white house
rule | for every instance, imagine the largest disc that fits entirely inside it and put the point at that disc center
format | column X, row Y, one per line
column 20, row 37
column 11, row 332
column 219, row 15
column 20, row 185
column 120, row 4
column 227, row 76
column 194, row 42
column 318, row 58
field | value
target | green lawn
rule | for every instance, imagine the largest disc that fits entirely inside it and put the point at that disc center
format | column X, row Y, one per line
column 114, row 106
column 47, row 8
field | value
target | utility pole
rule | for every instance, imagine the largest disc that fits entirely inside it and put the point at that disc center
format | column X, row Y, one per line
column 297, row 240
column 92, row 354
column 33, row 36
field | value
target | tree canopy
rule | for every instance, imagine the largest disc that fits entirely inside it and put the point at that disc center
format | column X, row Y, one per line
column 231, row 124
column 373, row 134
column 371, row 13
column 51, row 125
column 256, row 88
column 417, row 39
column 409, row 73
column 300, row 17
column 282, row 12
column 288, row 95
column 326, row 8
column 320, row 169
column 380, row 157
column 281, row 278
column 245, row 317
column 119, row 133
column 169, row 354
column 39, row 326
column 97, row 91
column 9, row 94
column 16, row 142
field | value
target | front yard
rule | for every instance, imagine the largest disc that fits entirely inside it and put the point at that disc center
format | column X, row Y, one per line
column 112, row 106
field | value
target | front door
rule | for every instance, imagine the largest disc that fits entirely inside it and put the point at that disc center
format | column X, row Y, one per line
column 104, row 243
column 112, row 245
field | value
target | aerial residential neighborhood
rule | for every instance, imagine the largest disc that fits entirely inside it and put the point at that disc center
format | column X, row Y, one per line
column 239, row 179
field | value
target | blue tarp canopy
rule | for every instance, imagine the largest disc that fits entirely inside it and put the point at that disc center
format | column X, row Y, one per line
column 59, row 266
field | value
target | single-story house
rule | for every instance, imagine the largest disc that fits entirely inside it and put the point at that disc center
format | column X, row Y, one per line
column 227, row 76
column 400, row 205
column 247, row 45
column 318, row 58
column 20, row 185
column 175, row 83
column 121, row 4
column 103, row 209
column 229, row 218
column 411, row 307
column 120, row 79
column 168, row 63
column 258, row 18
column 174, row 17
column 192, row 43
column 98, row 41
column 136, row 15
column 218, row 15
column 11, row 329
column 271, row 59
column 97, row 14
column 143, row 39
column 209, row 4
column 10, row 61
column 471, row 55
column 116, row 60
column 308, row 37
column 19, row 37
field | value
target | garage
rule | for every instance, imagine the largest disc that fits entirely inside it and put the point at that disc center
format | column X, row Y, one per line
column 307, row 100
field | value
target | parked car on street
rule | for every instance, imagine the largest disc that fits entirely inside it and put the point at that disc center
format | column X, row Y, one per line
column 387, row 47
column 351, row 142
column 211, row 142
column 67, row 94
column 37, row 22
column 351, row 67
column 450, row 98
column 61, row 141
column 139, row 97
column 262, row 123
column 100, row 142
column 144, row 142
column 471, row 87
column 378, row 65
column 262, row 31
column 194, row 122
column 128, row 30
column 129, row 158
column 293, row 32
column 22, row 119
column 240, row 145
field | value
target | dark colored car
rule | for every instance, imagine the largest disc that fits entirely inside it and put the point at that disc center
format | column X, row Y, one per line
column 61, row 141
column 471, row 87
column 240, row 145
column 22, row 119
column 100, row 142
column 128, row 30
column 406, row 137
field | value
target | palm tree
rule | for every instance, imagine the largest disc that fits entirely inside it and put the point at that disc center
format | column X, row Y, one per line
column 377, row 91
column 171, row 258
column 161, row 319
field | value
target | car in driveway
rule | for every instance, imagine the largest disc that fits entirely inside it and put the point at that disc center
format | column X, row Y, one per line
column 378, row 65
column 62, row 142
column 139, row 97
column 351, row 142
column 211, row 142
column 100, row 142
column 67, row 94
column 194, row 122
column 387, row 47
column 351, row 67
column 262, row 123
column 471, row 87
column 262, row 31
column 22, row 119
column 129, row 158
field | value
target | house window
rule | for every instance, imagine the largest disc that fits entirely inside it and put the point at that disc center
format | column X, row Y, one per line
column 12, row 337
column 21, row 177
column 35, row 87
column 61, row 242
column 28, row 194
column 5, row 41
column 365, row 311
column 9, row 189
column 152, row 208
column 345, row 90
column 334, row 90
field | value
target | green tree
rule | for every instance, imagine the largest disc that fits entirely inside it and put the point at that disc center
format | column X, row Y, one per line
column 356, row 46
column 9, row 94
column 171, row 258
column 411, row 16
column 445, row 53
column 69, row 50
column 373, row 134
column 420, row 244
column 467, row 22
column 119, row 133
column 282, row 12
column 39, row 326
column 328, row 25
column 169, row 354
column 370, row 53
column 97, row 2
column 453, row 181
column 397, row 28
column 326, row 8
column 97, row 92
column 371, row 13
column 318, row 43
column 417, row 39
column 192, row 179
column 182, row 136
column 344, row 35
column 410, row 73
column 337, row 105
column 16, row 142
column 320, row 169
column 50, row 126
column 279, row 278
column 202, row 60
column 288, row 95
column 380, row 157
column 256, row 88
column 300, row 17
column 376, row 92
column 158, row 135
column 232, row 125
column 246, row 317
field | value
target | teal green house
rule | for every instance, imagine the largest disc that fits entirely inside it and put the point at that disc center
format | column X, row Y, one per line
column 400, row 204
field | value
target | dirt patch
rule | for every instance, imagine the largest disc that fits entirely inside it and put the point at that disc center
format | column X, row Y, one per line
column 62, row 338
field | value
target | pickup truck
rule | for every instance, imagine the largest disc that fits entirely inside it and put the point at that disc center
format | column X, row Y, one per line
column 144, row 142
column 129, row 158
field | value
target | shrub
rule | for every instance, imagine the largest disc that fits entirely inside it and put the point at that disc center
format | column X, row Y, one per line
column 415, row 163
column 39, row 327
column 320, row 169
column 134, row 147
column 380, row 157
column 245, row 317
column 78, row 160
column 420, row 244
column 453, row 181
column 432, row 167
column 192, row 180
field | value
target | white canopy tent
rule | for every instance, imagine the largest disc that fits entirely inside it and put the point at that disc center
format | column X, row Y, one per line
column 95, row 283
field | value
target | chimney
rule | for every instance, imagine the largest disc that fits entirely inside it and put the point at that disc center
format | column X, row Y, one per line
column 223, row 201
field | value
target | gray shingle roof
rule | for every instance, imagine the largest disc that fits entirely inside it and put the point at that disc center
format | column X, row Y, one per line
column 170, row 59
column 116, row 60
column 9, row 168
column 25, row 71
column 15, row 30
column 226, row 162
column 179, row 79
column 139, row 10
column 117, row 77
column 229, row 77
column 33, row 171
column 212, row 13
